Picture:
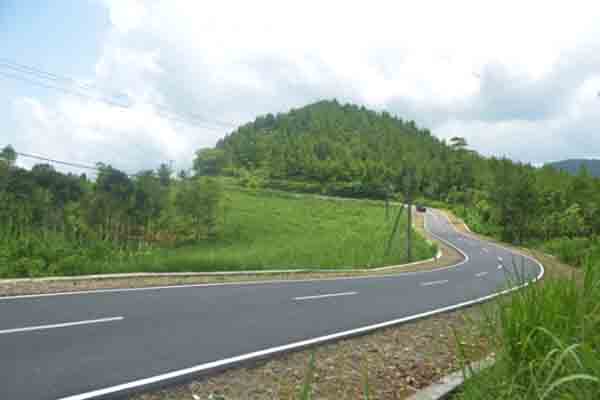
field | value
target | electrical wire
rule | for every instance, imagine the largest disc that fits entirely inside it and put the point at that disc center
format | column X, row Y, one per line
column 57, row 82
column 67, row 163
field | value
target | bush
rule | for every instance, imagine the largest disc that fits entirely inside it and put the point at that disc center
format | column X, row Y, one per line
column 25, row 268
column 573, row 251
column 70, row 265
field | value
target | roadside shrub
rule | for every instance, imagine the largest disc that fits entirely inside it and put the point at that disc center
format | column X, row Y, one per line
column 573, row 251
column 24, row 268
column 70, row 265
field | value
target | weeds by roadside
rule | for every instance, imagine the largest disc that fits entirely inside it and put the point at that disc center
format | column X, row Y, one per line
column 547, row 339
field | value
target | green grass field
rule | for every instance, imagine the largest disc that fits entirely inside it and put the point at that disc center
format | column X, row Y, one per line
column 258, row 229
column 270, row 230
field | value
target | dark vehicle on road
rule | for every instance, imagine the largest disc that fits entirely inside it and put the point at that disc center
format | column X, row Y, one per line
column 421, row 208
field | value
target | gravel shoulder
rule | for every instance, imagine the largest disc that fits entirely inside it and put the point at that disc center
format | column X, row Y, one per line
column 398, row 361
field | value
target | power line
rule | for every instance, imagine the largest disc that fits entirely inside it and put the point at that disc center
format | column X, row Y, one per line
column 57, row 82
column 67, row 163
column 76, row 164
column 162, row 114
column 4, row 62
column 62, row 89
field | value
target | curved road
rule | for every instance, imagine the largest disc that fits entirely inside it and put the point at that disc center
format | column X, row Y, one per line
column 104, row 344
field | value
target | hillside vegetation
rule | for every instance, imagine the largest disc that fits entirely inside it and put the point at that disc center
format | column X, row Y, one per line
column 573, row 166
column 348, row 150
column 51, row 223
column 57, row 224
column 266, row 230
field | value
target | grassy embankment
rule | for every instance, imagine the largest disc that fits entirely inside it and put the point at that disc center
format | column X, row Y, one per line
column 546, row 338
column 265, row 230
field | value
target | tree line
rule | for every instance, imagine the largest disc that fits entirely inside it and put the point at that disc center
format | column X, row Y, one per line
column 49, row 219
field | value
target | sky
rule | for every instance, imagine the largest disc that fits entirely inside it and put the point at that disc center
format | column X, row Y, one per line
column 163, row 78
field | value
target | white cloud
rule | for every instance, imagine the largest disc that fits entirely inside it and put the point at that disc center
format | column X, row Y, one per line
column 517, row 78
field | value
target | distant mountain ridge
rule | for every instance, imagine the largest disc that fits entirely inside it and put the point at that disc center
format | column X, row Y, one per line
column 573, row 166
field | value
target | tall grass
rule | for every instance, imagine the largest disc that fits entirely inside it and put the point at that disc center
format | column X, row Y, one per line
column 267, row 230
column 260, row 230
column 44, row 253
column 574, row 251
column 547, row 341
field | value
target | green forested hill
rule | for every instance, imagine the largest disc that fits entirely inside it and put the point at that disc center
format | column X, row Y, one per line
column 573, row 166
column 349, row 148
column 342, row 149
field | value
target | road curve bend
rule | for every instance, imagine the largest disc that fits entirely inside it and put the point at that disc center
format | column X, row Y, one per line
column 105, row 344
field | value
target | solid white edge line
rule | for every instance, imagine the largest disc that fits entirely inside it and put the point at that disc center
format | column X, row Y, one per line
column 61, row 325
column 304, row 343
column 268, row 282
column 323, row 296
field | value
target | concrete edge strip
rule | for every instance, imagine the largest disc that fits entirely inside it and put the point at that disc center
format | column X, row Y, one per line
column 442, row 389
column 209, row 274
column 218, row 273
column 265, row 282
column 294, row 346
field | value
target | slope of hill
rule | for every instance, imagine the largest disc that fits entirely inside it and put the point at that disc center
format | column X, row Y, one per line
column 573, row 166
column 269, row 230
column 347, row 150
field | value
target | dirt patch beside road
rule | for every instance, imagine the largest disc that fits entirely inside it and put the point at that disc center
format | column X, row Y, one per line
column 398, row 361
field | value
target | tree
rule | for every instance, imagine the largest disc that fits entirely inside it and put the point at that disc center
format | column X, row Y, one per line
column 197, row 200
column 111, row 204
column 571, row 222
column 8, row 156
column 514, row 199
column 458, row 143
column 164, row 174
column 150, row 197
column 209, row 162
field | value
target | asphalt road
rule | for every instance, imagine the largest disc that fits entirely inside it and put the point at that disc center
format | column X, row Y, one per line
column 107, row 343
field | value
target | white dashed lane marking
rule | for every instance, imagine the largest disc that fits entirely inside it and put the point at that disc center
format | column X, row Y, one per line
column 324, row 296
column 62, row 325
column 433, row 283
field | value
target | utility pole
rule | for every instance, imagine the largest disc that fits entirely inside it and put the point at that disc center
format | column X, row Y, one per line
column 388, row 195
column 408, row 185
